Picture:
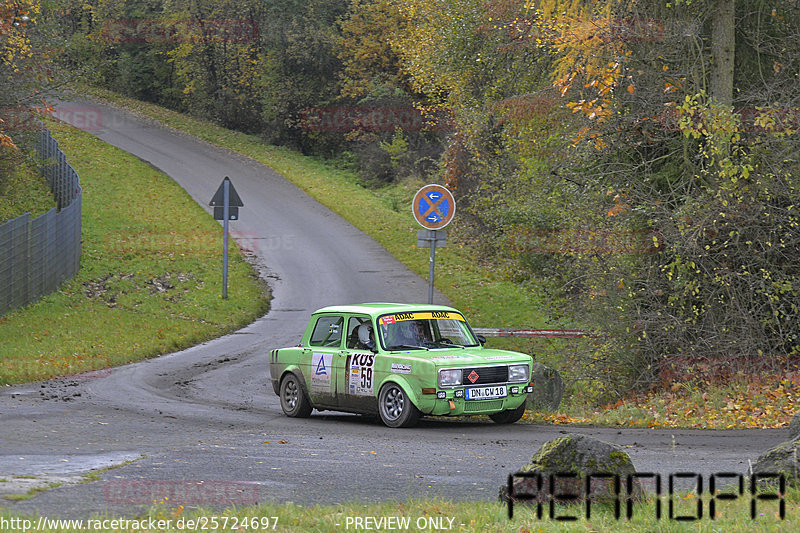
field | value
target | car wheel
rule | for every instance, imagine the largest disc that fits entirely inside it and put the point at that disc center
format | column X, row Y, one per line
column 510, row 416
column 395, row 408
column 294, row 401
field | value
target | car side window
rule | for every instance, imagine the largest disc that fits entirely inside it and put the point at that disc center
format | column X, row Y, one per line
column 327, row 331
column 353, row 343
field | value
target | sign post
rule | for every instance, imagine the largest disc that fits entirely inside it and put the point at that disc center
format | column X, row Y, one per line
column 226, row 203
column 433, row 207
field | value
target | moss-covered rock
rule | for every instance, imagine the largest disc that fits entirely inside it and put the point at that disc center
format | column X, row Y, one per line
column 794, row 427
column 782, row 459
column 568, row 462
column 548, row 389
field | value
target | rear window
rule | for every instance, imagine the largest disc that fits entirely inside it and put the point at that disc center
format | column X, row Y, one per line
column 327, row 331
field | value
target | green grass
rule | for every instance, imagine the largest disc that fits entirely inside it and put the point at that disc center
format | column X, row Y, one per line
column 438, row 515
column 22, row 188
column 31, row 493
column 150, row 280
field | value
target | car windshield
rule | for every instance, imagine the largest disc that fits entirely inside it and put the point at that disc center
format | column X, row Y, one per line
column 424, row 330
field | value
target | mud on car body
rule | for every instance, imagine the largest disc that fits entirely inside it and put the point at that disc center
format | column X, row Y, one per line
column 399, row 361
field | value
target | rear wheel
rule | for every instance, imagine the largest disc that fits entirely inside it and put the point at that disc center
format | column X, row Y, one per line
column 294, row 401
column 510, row 416
column 395, row 408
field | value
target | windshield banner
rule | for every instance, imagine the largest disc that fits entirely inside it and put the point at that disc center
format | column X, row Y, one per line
column 426, row 315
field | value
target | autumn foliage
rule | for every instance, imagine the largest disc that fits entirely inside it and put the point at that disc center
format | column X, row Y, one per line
column 614, row 117
column 15, row 52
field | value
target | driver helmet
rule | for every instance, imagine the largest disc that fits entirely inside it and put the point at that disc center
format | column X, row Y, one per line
column 365, row 333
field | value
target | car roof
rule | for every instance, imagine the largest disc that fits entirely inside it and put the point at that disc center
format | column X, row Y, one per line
column 381, row 308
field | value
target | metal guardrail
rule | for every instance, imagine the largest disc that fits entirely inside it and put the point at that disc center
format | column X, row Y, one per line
column 553, row 333
column 37, row 255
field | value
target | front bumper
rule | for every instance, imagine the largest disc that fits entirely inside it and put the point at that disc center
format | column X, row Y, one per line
column 451, row 402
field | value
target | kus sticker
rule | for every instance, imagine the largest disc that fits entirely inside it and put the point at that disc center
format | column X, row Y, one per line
column 361, row 372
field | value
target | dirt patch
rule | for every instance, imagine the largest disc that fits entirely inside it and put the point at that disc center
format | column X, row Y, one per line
column 110, row 288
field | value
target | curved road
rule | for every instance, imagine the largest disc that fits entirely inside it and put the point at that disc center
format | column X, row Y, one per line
column 204, row 424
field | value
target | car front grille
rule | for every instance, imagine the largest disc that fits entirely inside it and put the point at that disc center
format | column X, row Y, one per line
column 486, row 375
column 482, row 405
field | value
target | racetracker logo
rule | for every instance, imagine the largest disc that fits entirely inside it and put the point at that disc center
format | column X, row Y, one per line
column 71, row 368
column 564, row 30
column 586, row 241
column 783, row 120
column 144, row 492
column 344, row 119
column 190, row 243
column 28, row 119
column 141, row 31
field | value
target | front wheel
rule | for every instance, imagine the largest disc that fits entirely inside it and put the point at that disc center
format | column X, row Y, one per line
column 294, row 401
column 510, row 416
column 395, row 408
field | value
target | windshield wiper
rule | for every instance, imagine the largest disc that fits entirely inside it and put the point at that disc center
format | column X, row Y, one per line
column 405, row 347
column 450, row 344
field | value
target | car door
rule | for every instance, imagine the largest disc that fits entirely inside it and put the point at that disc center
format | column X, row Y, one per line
column 355, row 370
column 322, row 353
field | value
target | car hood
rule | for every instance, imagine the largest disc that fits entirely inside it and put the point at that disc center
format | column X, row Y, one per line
column 465, row 356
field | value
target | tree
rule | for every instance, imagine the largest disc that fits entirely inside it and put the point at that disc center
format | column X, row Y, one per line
column 656, row 146
column 18, row 72
column 723, row 51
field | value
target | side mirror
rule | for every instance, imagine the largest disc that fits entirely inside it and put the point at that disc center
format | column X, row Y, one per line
column 481, row 339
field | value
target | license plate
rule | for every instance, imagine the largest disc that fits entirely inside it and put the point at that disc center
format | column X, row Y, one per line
column 486, row 393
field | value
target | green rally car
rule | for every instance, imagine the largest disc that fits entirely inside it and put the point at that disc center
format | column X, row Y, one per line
column 399, row 361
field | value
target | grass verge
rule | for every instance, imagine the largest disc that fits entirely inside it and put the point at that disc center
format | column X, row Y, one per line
column 22, row 187
column 730, row 516
column 150, row 280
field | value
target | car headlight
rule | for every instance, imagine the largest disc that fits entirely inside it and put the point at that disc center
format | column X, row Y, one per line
column 518, row 373
column 450, row 377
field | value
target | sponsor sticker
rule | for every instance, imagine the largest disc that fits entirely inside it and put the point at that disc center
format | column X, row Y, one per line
column 361, row 374
column 401, row 368
column 453, row 358
column 321, row 369
column 499, row 357
column 427, row 315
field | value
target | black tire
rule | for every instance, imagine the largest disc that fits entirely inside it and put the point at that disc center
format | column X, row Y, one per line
column 294, row 401
column 510, row 416
column 395, row 408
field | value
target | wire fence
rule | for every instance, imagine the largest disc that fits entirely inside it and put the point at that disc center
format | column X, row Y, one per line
column 38, row 254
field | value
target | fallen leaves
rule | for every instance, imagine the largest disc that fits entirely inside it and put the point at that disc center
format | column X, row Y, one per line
column 755, row 401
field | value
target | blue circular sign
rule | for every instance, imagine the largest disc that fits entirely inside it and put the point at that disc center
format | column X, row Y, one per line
column 433, row 206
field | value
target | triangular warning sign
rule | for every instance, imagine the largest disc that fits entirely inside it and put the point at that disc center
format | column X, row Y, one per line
column 233, row 196
column 321, row 370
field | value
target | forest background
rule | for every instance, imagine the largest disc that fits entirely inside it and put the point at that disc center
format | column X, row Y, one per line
column 632, row 161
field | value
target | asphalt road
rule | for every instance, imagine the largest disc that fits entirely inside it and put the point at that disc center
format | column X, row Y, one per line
column 203, row 426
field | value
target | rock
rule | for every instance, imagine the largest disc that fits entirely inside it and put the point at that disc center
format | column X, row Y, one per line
column 548, row 389
column 573, row 458
column 794, row 427
column 782, row 459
